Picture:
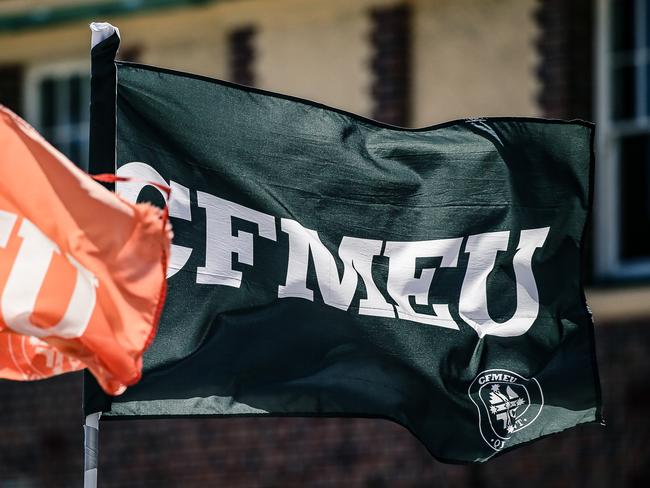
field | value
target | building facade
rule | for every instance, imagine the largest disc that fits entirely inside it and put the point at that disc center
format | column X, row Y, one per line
column 405, row 62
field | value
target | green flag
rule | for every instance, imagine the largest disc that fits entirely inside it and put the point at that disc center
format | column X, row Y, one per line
column 325, row 264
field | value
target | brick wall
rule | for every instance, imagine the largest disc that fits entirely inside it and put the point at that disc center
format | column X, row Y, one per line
column 566, row 58
column 241, row 55
column 390, row 64
column 41, row 442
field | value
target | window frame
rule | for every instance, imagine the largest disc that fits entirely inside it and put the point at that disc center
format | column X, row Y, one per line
column 608, row 263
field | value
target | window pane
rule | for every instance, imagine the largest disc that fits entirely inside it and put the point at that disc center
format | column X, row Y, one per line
column 624, row 93
column 623, row 25
column 64, row 114
column 75, row 99
column 635, row 196
column 47, row 104
column 61, row 93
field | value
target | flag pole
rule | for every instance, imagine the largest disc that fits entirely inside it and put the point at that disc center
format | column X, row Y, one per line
column 104, row 43
column 91, row 449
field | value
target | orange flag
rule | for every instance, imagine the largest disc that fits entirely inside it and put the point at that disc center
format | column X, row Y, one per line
column 82, row 272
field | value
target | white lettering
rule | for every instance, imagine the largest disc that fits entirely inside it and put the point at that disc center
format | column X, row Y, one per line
column 402, row 283
column 356, row 255
column 220, row 242
column 179, row 203
column 482, row 249
column 26, row 278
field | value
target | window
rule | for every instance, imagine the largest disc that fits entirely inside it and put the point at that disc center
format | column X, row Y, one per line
column 57, row 101
column 623, row 172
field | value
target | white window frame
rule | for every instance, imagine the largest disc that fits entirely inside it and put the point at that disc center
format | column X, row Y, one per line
column 607, row 225
column 32, row 96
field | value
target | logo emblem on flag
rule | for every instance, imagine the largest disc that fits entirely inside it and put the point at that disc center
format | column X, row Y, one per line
column 506, row 402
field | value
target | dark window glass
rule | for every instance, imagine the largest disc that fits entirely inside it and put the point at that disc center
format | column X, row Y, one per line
column 74, row 99
column 624, row 93
column 623, row 25
column 48, row 104
column 647, row 23
column 64, row 113
column 11, row 84
column 635, row 196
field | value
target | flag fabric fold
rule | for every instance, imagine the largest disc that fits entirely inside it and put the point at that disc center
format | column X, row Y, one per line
column 325, row 264
column 82, row 272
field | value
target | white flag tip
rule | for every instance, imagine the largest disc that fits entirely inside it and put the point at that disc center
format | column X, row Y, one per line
column 101, row 31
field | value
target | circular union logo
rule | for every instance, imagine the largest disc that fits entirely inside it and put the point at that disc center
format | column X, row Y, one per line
column 506, row 402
